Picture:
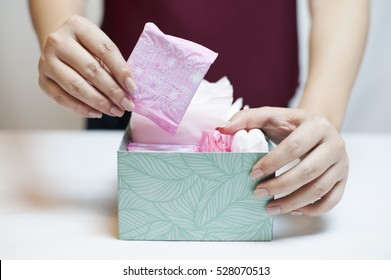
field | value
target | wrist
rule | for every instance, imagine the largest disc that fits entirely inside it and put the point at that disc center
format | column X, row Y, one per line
column 326, row 103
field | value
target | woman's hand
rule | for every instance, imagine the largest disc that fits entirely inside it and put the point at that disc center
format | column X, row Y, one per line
column 313, row 186
column 83, row 70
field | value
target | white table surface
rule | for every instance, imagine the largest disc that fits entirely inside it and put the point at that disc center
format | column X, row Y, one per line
column 58, row 201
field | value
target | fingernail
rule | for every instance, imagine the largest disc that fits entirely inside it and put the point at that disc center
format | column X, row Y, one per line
column 130, row 84
column 259, row 193
column 273, row 210
column 116, row 112
column 94, row 115
column 127, row 104
column 297, row 213
column 256, row 174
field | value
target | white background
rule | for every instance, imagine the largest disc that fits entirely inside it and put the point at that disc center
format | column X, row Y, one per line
column 303, row 270
column 24, row 106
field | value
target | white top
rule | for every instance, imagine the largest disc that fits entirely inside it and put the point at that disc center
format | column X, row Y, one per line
column 58, row 200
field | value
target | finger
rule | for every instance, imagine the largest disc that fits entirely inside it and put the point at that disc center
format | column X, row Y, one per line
column 263, row 118
column 100, row 45
column 297, row 144
column 326, row 203
column 310, row 168
column 103, row 65
column 311, row 192
column 65, row 100
column 244, row 119
column 87, row 66
column 79, row 88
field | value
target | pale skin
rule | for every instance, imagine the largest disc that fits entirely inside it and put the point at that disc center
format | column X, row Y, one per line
column 83, row 71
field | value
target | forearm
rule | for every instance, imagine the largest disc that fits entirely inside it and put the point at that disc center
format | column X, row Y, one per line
column 48, row 15
column 337, row 42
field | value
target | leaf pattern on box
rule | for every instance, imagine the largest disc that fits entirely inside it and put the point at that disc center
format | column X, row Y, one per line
column 190, row 196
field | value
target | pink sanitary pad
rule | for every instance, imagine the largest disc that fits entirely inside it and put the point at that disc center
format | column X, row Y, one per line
column 168, row 71
column 214, row 141
column 209, row 108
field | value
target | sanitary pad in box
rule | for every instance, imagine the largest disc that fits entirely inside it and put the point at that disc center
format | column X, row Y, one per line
column 168, row 71
column 189, row 196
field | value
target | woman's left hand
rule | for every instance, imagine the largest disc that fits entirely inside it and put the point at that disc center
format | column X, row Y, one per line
column 313, row 186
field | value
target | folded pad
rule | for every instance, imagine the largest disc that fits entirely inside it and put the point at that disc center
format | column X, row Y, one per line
column 168, row 71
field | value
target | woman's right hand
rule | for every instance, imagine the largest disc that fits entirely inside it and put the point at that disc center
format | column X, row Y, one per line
column 84, row 71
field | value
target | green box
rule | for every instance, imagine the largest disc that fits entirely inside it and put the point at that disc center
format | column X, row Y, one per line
column 189, row 196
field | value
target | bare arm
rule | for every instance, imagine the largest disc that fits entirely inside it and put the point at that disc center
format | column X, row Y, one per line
column 338, row 35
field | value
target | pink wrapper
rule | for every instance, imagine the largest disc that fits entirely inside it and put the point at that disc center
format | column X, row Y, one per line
column 214, row 141
column 168, row 71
